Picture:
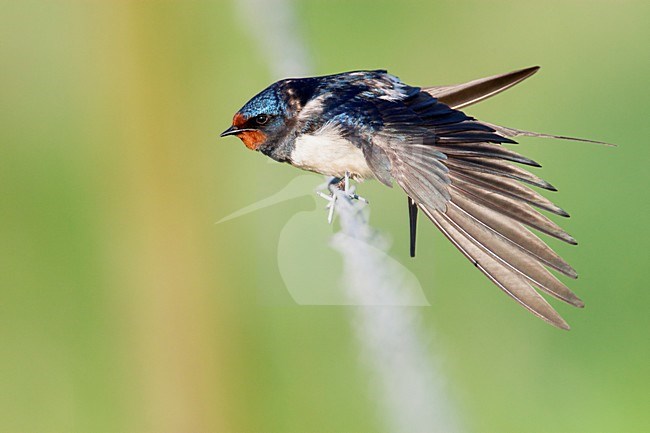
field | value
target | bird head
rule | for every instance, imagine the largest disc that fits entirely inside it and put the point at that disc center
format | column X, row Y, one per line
column 261, row 120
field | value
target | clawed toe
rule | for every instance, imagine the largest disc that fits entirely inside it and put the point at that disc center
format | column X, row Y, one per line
column 338, row 184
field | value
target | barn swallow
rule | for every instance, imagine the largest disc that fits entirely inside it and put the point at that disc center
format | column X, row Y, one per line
column 453, row 167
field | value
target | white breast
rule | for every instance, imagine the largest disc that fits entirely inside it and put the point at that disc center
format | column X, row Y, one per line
column 326, row 152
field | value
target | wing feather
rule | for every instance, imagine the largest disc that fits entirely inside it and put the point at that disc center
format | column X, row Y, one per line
column 458, row 172
column 500, row 168
column 499, row 247
column 494, row 184
column 462, row 95
column 507, row 280
column 517, row 209
column 511, row 231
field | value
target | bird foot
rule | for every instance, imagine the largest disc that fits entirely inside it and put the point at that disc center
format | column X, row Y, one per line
column 341, row 184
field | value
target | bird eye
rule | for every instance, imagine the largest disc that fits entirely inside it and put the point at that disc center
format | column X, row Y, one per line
column 261, row 119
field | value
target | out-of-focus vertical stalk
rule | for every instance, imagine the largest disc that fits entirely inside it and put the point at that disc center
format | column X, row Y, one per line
column 164, row 272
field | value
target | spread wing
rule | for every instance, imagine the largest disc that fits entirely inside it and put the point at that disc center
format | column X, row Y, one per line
column 458, row 172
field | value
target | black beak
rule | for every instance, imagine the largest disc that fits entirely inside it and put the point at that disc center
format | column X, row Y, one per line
column 234, row 130
column 230, row 131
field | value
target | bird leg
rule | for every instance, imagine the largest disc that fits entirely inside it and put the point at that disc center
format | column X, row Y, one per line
column 342, row 184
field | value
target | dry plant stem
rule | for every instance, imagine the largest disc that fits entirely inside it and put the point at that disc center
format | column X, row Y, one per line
column 409, row 383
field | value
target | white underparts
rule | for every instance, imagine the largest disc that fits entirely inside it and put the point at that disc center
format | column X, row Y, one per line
column 327, row 152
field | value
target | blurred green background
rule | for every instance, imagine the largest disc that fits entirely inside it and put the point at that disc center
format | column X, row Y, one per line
column 124, row 308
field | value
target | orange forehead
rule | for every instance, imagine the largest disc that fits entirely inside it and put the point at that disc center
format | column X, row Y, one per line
column 252, row 139
column 239, row 120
